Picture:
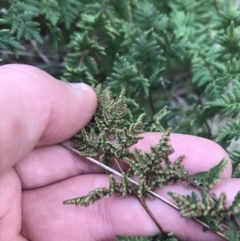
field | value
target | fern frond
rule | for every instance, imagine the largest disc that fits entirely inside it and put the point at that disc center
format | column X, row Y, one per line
column 125, row 73
column 230, row 131
column 91, row 198
column 235, row 207
column 22, row 20
column 228, row 13
column 78, row 74
column 229, row 42
column 149, row 17
column 69, row 11
column 80, row 48
column 145, row 46
column 157, row 119
column 50, row 8
column 209, row 178
column 8, row 42
column 191, row 206
column 233, row 236
column 229, row 102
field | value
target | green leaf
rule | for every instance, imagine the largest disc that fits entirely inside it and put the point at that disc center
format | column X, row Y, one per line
column 229, row 102
column 233, row 236
column 50, row 9
column 69, row 11
column 91, row 198
column 209, row 178
column 229, row 131
column 23, row 23
column 235, row 207
column 8, row 42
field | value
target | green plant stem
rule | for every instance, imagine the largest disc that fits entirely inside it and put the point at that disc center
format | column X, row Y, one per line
column 149, row 191
column 216, row 8
column 151, row 105
column 209, row 133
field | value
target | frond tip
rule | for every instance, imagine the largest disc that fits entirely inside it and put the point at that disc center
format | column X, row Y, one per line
column 209, row 178
column 91, row 198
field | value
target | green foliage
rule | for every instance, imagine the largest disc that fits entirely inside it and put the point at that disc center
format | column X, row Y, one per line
column 210, row 178
column 111, row 135
column 7, row 41
column 230, row 102
column 154, row 50
column 108, row 125
column 232, row 235
column 91, row 198
column 191, row 206
column 210, row 210
column 176, row 61
column 230, row 131
column 21, row 15
column 169, row 237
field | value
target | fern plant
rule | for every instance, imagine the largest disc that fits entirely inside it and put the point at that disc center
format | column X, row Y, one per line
column 177, row 60
column 109, row 136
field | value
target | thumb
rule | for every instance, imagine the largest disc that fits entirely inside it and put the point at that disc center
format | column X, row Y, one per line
column 36, row 109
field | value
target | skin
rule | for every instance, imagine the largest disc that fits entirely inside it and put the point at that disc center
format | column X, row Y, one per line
column 37, row 174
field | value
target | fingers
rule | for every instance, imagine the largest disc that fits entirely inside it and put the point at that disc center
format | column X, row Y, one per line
column 10, row 203
column 108, row 217
column 47, row 165
column 37, row 109
column 50, row 164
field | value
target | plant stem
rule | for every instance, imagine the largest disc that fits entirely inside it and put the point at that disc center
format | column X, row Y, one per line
column 151, row 215
column 151, row 105
column 216, row 7
column 149, row 191
column 144, row 205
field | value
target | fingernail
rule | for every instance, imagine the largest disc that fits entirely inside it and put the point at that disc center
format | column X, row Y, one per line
column 80, row 86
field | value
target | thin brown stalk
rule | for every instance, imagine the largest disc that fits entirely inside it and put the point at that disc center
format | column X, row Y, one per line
column 144, row 205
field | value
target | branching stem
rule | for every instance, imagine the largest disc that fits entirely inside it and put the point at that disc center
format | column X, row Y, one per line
column 149, row 191
column 144, row 205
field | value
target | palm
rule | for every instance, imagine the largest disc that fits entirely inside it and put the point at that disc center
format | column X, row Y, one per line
column 50, row 175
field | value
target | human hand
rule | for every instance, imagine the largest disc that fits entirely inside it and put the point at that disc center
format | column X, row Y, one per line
column 37, row 174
